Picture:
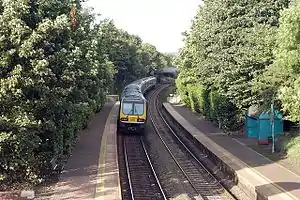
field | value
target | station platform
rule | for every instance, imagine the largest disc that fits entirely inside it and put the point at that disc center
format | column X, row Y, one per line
column 92, row 171
column 257, row 175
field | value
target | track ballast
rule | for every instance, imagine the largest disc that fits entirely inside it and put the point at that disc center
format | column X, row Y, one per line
column 203, row 182
column 141, row 176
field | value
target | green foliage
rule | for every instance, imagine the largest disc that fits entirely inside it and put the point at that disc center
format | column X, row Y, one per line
column 282, row 77
column 195, row 90
column 289, row 144
column 214, row 106
column 183, row 90
column 50, row 80
column 206, row 103
column 131, row 58
column 198, row 98
column 54, row 75
column 223, row 112
column 228, row 46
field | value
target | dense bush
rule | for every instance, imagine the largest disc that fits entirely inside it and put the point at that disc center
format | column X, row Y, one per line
column 223, row 112
column 192, row 94
column 182, row 89
column 214, row 106
column 206, row 102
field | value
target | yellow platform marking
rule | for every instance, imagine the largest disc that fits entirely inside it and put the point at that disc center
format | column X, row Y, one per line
column 102, row 160
column 100, row 186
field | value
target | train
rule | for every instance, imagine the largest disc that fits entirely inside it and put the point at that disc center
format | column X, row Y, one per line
column 133, row 108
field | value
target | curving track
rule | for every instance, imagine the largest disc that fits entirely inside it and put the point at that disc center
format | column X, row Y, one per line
column 203, row 182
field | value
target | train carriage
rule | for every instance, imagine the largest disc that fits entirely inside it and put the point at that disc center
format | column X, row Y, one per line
column 133, row 106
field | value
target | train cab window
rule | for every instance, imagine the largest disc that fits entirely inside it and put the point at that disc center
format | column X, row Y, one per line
column 127, row 108
column 138, row 108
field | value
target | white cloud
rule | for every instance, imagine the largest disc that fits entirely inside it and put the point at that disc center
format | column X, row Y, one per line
column 159, row 22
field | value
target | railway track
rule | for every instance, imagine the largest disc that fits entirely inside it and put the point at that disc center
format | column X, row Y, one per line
column 201, row 180
column 141, row 176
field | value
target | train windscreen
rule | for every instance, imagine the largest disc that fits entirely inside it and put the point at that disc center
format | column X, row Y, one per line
column 130, row 108
column 138, row 108
column 127, row 108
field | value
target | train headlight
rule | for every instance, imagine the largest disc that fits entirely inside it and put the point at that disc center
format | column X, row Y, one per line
column 141, row 120
column 124, row 119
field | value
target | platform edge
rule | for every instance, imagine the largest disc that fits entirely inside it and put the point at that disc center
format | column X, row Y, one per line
column 110, row 130
column 227, row 156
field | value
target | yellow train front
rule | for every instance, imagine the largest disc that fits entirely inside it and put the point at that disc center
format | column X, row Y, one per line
column 133, row 106
column 133, row 114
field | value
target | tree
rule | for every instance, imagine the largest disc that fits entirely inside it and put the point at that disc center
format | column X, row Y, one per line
column 230, row 44
column 131, row 58
column 57, row 65
column 282, row 77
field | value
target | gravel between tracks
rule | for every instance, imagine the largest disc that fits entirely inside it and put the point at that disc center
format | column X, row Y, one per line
column 202, row 181
column 143, row 182
column 172, row 179
column 175, row 185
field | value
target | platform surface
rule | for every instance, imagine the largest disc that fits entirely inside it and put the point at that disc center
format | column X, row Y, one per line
column 92, row 170
column 108, row 181
column 260, row 172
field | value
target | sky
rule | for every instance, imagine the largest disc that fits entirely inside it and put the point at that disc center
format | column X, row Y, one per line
column 158, row 22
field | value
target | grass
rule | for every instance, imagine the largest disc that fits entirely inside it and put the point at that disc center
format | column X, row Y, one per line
column 291, row 145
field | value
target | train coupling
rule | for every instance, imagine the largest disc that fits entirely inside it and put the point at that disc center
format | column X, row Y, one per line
column 132, row 129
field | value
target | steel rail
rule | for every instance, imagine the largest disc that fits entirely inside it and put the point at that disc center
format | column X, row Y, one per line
column 150, row 164
column 179, row 140
column 153, row 171
column 168, row 149
column 155, row 95
column 127, row 170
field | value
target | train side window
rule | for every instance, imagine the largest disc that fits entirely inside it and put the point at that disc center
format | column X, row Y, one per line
column 127, row 108
column 138, row 108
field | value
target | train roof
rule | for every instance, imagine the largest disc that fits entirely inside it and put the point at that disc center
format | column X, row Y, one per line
column 138, row 82
column 134, row 97
column 134, row 90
